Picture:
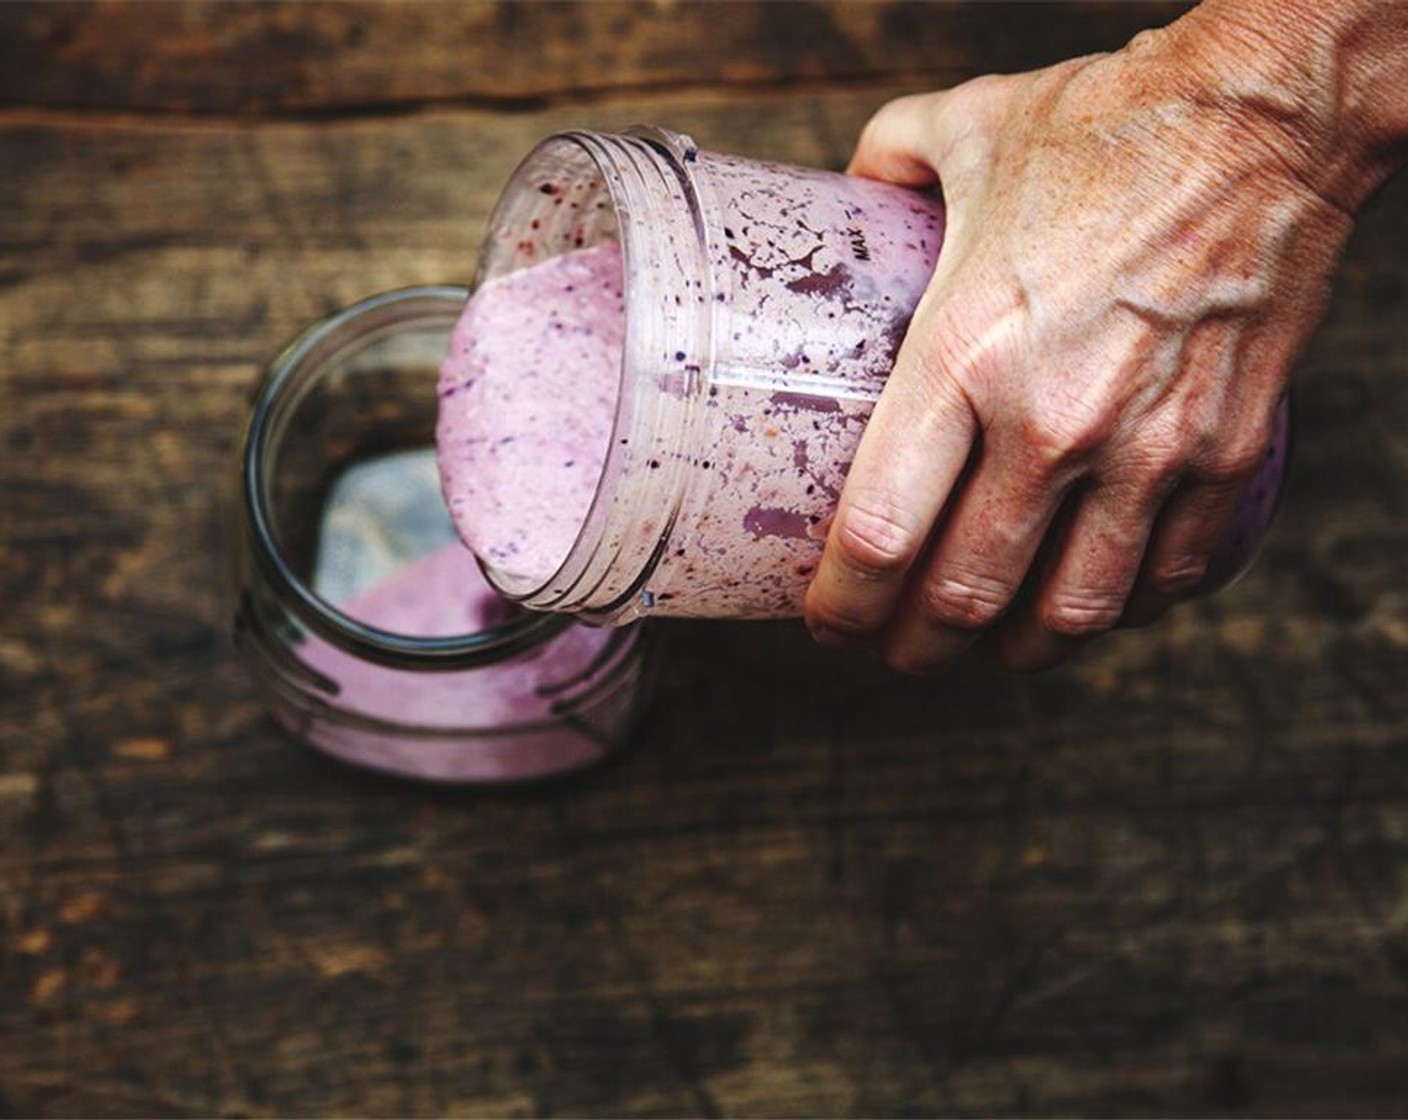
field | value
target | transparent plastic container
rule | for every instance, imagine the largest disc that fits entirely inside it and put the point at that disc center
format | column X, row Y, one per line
column 367, row 625
column 764, row 306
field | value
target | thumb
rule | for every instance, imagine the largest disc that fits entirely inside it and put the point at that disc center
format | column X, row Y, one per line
column 951, row 135
column 896, row 144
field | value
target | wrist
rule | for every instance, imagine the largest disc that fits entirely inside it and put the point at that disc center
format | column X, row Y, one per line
column 1324, row 83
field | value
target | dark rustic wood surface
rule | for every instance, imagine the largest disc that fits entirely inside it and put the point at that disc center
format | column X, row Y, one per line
column 1169, row 878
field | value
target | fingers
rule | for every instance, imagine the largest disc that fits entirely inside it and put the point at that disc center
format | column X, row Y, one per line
column 1245, row 533
column 990, row 536
column 895, row 145
column 921, row 434
column 1085, row 587
column 1183, row 541
column 1210, row 529
column 1191, row 526
column 1154, row 355
column 913, row 451
column 911, row 140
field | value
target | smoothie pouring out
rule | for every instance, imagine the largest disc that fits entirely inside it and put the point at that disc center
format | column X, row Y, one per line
column 527, row 401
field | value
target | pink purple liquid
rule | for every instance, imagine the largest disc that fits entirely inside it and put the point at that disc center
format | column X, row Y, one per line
column 527, row 401
column 816, row 277
column 503, row 721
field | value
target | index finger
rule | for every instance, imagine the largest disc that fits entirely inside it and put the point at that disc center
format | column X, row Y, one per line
column 910, row 457
column 919, row 436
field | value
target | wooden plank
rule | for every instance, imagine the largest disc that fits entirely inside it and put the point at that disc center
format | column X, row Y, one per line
column 205, row 57
column 1167, row 878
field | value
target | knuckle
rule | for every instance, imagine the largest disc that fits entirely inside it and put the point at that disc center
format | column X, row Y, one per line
column 1159, row 459
column 1082, row 612
column 966, row 602
column 1156, row 457
column 875, row 128
column 1144, row 495
column 972, row 340
column 951, row 360
column 1200, row 436
column 907, row 106
column 1231, row 467
column 901, row 107
column 1143, row 41
column 1182, row 429
column 875, row 536
column 1178, row 574
column 1236, row 462
column 1058, row 441
column 895, row 117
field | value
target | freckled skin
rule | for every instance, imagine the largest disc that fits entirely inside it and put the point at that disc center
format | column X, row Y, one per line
column 1085, row 422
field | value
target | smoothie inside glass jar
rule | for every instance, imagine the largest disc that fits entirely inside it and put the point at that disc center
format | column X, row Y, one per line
column 368, row 626
column 651, row 401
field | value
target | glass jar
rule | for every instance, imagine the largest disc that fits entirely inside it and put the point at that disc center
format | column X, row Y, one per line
column 764, row 306
column 367, row 625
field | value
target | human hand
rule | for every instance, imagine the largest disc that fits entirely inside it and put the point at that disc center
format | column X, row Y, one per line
column 1131, row 266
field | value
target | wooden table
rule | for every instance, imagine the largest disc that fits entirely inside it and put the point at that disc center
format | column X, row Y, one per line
column 1171, row 877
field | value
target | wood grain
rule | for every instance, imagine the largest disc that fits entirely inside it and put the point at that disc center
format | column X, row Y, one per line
column 1169, row 878
column 319, row 57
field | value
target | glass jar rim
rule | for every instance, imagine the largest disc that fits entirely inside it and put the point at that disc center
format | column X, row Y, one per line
column 276, row 397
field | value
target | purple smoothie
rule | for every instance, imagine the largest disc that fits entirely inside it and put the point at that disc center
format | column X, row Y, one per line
column 498, row 722
column 814, row 278
column 527, row 402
